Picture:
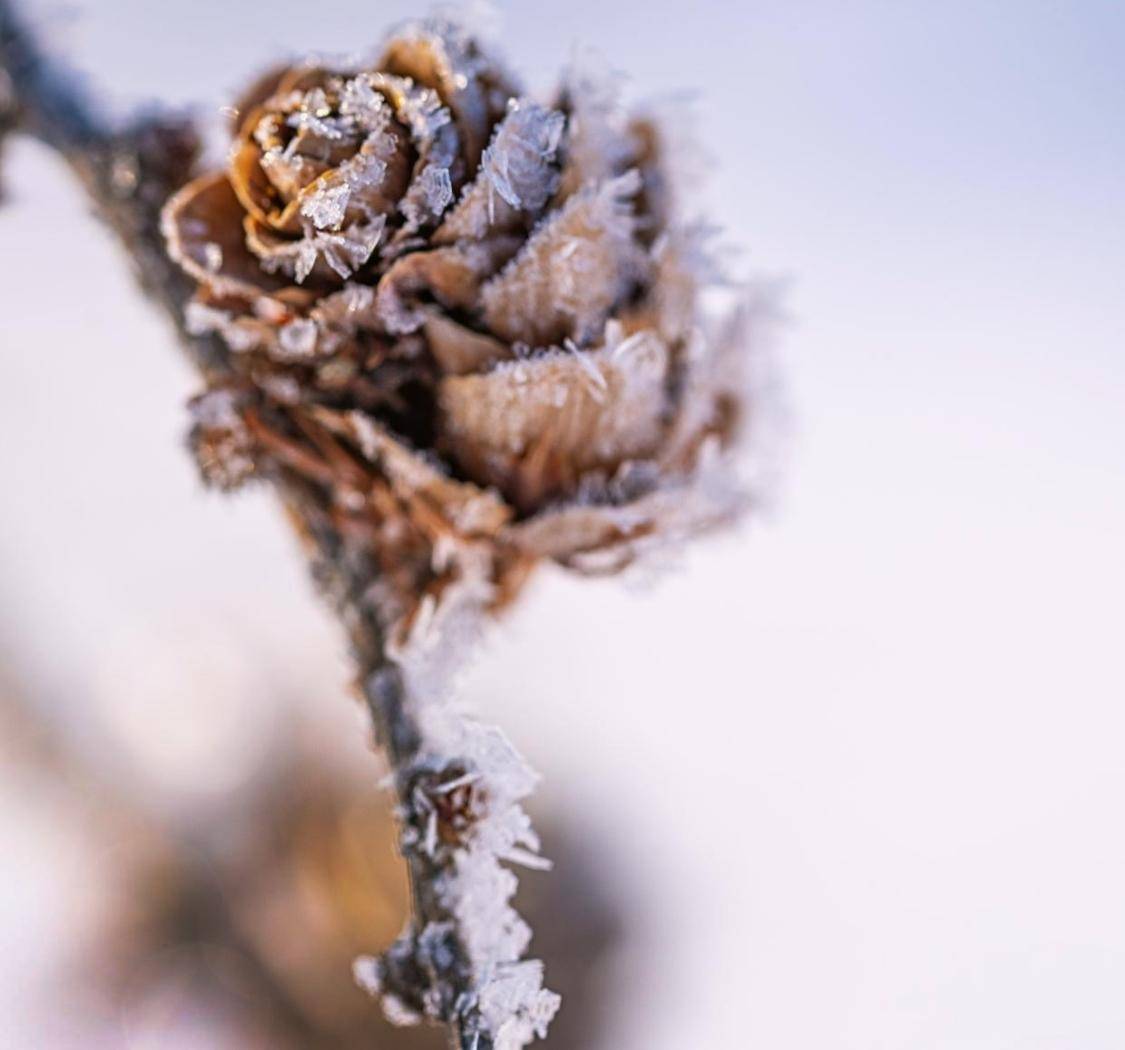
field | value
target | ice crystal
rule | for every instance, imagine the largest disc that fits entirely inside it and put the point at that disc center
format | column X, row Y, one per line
column 241, row 334
column 515, row 1005
column 364, row 103
column 517, row 162
column 437, row 188
column 326, row 208
column 344, row 252
column 213, row 256
column 316, row 115
column 297, row 339
column 223, row 446
column 365, row 972
column 434, row 652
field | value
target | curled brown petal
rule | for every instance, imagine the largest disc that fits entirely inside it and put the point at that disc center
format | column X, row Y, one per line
column 560, row 533
column 202, row 226
column 590, row 410
column 459, row 350
column 600, row 540
column 452, row 276
column 265, row 190
column 443, row 57
column 438, row 167
column 571, row 273
column 253, row 189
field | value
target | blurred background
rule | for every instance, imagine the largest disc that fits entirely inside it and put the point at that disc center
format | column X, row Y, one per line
column 850, row 779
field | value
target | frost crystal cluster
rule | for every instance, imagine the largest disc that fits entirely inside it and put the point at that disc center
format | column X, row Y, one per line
column 466, row 325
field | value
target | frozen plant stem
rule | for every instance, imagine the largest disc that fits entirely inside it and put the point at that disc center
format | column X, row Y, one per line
column 446, row 967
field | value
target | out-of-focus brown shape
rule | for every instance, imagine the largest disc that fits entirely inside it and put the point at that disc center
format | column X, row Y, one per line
column 260, row 919
column 265, row 915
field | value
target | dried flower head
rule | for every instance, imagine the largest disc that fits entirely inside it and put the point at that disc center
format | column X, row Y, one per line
column 468, row 319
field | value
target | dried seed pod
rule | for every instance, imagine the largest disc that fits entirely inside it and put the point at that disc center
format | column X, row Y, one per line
column 470, row 320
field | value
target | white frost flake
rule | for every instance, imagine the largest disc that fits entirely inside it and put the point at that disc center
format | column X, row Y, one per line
column 325, row 207
column 516, row 1006
column 297, row 339
column 517, row 162
column 436, row 187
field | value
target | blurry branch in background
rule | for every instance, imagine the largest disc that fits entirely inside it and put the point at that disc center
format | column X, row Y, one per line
column 128, row 174
column 189, row 879
column 247, row 924
column 175, row 893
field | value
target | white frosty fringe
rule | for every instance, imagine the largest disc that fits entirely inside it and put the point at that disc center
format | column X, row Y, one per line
column 446, row 630
column 345, row 252
column 517, row 161
column 640, row 517
column 747, row 357
column 516, row 178
column 713, row 495
column 472, row 885
column 598, row 144
column 515, row 1006
column 573, row 269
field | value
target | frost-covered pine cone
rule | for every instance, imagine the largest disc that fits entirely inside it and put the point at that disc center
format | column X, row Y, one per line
column 469, row 320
